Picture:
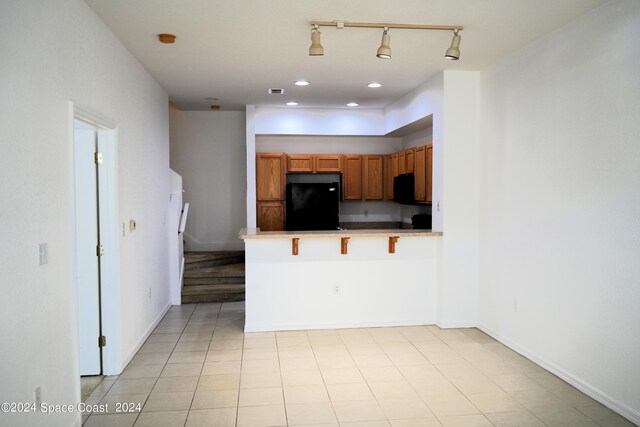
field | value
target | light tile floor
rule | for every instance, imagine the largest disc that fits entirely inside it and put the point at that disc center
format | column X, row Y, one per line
column 199, row 368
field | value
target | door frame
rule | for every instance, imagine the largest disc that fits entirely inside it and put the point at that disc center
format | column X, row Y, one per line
column 108, row 211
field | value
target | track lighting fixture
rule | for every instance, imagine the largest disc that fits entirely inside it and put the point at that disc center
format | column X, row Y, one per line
column 316, row 48
column 453, row 52
column 384, row 51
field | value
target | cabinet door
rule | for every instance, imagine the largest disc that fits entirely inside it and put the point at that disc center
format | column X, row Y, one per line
column 388, row 178
column 409, row 160
column 373, row 177
column 328, row 163
column 429, row 150
column 270, row 216
column 270, row 176
column 402, row 165
column 299, row 163
column 420, row 171
column 352, row 178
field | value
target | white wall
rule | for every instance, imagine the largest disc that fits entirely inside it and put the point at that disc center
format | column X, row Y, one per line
column 208, row 150
column 459, row 291
column 54, row 52
column 560, row 205
column 318, row 121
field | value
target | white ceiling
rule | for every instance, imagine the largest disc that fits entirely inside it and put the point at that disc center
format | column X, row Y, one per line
column 235, row 50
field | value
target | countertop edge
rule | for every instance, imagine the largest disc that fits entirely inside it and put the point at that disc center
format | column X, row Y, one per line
column 255, row 233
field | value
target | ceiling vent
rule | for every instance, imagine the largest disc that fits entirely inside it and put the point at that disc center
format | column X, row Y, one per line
column 276, row 91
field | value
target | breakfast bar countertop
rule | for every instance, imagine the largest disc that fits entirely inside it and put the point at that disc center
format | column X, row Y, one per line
column 255, row 233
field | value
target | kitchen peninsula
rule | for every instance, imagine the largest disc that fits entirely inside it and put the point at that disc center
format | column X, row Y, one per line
column 340, row 278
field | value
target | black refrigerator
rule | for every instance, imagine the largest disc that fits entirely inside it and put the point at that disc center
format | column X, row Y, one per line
column 312, row 206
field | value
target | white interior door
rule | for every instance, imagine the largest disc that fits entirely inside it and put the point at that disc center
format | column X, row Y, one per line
column 87, row 238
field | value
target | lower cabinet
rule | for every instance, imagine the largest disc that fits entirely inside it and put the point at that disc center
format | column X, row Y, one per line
column 270, row 216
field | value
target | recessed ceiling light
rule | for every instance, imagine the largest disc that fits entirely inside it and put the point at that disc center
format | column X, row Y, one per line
column 374, row 84
column 292, row 103
column 352, row 104
column 302, row 83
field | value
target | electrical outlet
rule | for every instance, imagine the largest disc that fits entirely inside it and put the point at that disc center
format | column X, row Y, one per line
column 515, row 305
column 132, row 225
column 438, row 205
column 124, row 229
column 149, row 292
column 43, row 251
column 336, row 289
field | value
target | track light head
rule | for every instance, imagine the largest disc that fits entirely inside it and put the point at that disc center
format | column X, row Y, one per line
column 384, row 51
column 453, row 52
column 316, row 48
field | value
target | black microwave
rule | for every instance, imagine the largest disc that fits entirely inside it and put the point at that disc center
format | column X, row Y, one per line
column 404, row 189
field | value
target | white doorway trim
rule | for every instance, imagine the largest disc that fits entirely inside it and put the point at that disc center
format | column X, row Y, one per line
column 110, row 267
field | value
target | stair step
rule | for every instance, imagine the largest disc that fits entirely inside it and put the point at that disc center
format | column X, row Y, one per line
column 190, row 299
column 211, row 259
column 212, row 289
column 229, row 270
column 192, row 281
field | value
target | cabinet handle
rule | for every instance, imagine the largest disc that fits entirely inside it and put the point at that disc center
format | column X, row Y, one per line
column 294, row 246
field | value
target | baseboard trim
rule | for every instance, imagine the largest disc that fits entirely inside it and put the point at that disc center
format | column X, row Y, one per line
column 588, row 389
column 145, row 336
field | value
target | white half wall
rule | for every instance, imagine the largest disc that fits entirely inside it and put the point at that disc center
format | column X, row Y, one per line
column 55, row 52
column 374, row 287
column 208, row 150
column 560, row 206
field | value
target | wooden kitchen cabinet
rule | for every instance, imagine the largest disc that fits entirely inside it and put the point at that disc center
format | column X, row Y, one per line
column 409, row 160
column 311, row 163
column 270, row 216
column 423, row 170
column 429, row 149
column 300, row 163
column 327, row 163
column 352, row 178
column 391, row 172
column 420, row 173
column 402, row 165
column 270, row 169
column 373, row 177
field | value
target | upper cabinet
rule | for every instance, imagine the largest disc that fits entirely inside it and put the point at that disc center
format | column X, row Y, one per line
column 423, row 165
column 270, row 169
column 311, row 163
column 327, row 163
column 299, row 163
column 352, row 177
column 429, row 173
column 373, row 177
column 409, row 160
column 402, row 162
